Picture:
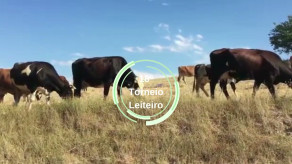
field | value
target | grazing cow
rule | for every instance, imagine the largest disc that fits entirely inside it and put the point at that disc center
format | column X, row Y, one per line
column 63, row 78
column 185, row 71
column 203, row 75
column 8, row 86
column 42, row 91
column 101, row 71
column 262, row 66
column 31, row 75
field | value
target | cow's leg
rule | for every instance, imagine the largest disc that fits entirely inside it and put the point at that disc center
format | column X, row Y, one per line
column 78, row 87
column 203, row 89
column 16, row 97
column 232, row 84
column 272, row 89
column 178, row 78
column 106, row 90
column 119, row 91
column 198, row 85
column 194, row 84
column 256, row 87
column 48, row 97
column 184, row 79
column 1, row 97
column 213, row 83
column 223, row 84
column 269, row 83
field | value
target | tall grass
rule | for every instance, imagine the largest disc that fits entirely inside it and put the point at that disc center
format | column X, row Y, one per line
column 90, row 130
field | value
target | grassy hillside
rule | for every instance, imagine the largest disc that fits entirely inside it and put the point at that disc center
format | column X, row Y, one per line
column 90, row 130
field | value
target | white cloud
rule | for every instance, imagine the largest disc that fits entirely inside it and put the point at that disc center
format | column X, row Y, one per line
column 129, row 49
column 162, row 27
column 164, row 4
column 167, row 37
column 78, row 54
column 177, row 43
column 156, row 47
column 139, row 49
column 199, row 37
column 134, row 49
column 198, row 48
column 62, row 63
column 185, row 44
column 182, row 41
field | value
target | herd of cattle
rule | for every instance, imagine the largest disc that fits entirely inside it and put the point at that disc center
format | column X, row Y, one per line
column 234, row 65
column 32, row 79
column 228, row 66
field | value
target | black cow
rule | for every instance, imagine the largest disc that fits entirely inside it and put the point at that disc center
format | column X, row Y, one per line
column 31, row 75
column 202, row 77
column 262, row 66
column 101, row 71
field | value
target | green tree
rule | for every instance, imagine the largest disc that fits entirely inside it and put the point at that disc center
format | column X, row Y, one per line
column 281, row 36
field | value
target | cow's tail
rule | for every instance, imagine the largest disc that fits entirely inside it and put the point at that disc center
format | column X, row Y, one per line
column 77, row 75
column 178, row 77
column 194, row 84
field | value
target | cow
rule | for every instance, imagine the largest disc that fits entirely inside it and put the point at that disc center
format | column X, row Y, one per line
column 261, row 65
column 203, row 75
column 31, row 75
column 101, row 71
column 185, row 71
column 40, row 91
column 8, row 86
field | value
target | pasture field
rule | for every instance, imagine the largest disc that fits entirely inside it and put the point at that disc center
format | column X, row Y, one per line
column 91, row 130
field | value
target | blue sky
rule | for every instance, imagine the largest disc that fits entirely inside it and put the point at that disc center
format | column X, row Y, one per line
column 174, row 32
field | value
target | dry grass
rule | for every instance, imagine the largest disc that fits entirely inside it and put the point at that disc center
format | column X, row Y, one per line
column 90, row 130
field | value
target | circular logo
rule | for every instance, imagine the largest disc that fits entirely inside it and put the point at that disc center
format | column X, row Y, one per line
column 155, row 93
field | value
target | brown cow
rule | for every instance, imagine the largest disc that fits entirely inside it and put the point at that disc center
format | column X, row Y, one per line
column 185, row 71
column 261, row 65
column 8, row 86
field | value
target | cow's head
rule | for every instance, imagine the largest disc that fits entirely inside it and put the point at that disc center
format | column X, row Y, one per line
column 289, row 83
column 134, row 83
column 66, row 92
